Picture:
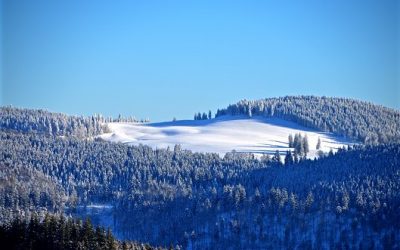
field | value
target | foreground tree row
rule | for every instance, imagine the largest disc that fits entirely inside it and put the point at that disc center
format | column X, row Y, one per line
column 56, row 232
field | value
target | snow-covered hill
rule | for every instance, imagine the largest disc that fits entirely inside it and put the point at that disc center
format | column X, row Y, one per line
column 256, row 135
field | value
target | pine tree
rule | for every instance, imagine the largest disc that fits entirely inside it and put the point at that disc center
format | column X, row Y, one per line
column 295, row 157
column 298, row 144
column 100, row 237
column 33, row 230
column 309, row 201
column 124, row 246
column 277, row 157
column 290, row 141
column 249, row 107
column 306, row 147
column 110, row 241
column 88, row 234
column 318, row 147
column 288, row 158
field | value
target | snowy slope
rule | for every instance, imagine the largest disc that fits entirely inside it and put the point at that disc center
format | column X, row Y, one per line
column 256, row 135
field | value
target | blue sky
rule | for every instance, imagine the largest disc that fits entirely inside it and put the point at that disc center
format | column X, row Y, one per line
column 160, row 59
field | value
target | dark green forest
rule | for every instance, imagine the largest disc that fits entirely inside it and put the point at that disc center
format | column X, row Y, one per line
column 57, row 232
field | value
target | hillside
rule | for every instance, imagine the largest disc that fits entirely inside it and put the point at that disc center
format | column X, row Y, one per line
column 359, row 120
column 258, row 135
column 182, row 198
column 42, row 121
column 166, row 195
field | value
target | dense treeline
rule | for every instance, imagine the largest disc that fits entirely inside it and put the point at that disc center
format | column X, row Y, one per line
column 358, row 120
column 41, row 121
column 177, row 197
column 204, row 116
column 57, row 232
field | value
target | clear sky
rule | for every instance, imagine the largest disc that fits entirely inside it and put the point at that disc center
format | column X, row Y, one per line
column 160, row 59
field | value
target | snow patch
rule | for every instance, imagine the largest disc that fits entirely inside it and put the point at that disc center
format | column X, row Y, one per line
column 258, row 135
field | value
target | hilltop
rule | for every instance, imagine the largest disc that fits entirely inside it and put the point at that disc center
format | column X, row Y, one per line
column 257, row 135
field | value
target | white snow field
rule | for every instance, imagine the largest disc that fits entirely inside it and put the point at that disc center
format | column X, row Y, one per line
column 256, row 135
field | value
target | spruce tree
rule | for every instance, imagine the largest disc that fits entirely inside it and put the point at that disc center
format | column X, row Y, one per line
column 288, row 158
column 306, row 147
column 318, row 147
column 290, row 141
column 277, row 157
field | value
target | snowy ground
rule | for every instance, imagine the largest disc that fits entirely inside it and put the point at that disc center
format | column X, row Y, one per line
column 256, row 135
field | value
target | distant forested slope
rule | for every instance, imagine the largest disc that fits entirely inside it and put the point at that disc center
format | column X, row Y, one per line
column 355, row 119
column 41, row 121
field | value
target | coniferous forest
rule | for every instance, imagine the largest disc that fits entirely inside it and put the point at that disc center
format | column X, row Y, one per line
column 53, row 167
column 364, row 121
column 56, row 232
